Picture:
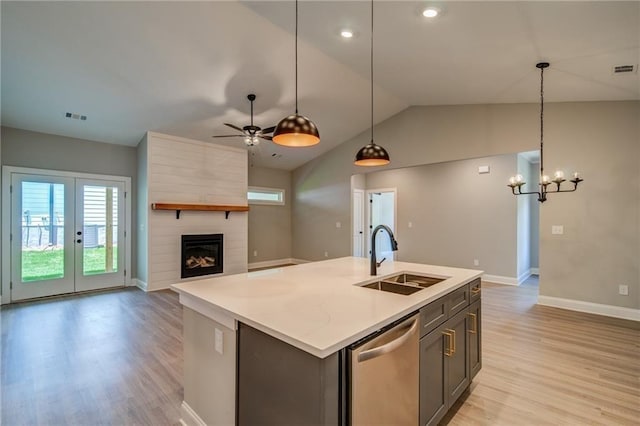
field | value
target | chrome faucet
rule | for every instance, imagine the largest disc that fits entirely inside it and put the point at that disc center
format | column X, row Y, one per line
column 394, row 247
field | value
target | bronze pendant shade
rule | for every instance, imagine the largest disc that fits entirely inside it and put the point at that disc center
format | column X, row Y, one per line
column 372, row 154
column 296, row 130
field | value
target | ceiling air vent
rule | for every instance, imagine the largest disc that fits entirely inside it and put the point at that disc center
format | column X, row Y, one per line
column 623, row 69
column 75, row 116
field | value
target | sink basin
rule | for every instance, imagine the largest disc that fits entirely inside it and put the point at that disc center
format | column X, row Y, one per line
column 405, row 284
column 423, row 281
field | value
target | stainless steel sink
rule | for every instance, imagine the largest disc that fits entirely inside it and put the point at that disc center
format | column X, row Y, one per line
column 405, row 284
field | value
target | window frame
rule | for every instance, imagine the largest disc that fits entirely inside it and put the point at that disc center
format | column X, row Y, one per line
column 266, row 190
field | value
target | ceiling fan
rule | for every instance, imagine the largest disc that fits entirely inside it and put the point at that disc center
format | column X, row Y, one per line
column 251, row 134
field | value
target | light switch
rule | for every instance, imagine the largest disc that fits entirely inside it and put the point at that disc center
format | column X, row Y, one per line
column 218, row 342
column 410, row 224
column 338, row 225
column 557, row 229
column 483, row 169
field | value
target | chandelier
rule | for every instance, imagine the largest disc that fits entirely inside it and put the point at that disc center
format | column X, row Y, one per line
column 517, row 182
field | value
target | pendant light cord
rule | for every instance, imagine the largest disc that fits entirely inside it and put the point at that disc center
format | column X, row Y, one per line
column 296, row 57
column 371, row 72
column 541, row 123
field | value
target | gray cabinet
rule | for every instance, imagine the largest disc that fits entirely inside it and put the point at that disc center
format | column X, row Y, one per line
column 450, row 354
column 475, row 338
column 444, row 368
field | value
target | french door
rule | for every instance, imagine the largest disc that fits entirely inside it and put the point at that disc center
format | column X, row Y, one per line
column 67, row 235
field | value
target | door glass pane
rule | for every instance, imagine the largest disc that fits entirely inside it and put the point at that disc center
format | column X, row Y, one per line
column 42, row 245
column 100, row 235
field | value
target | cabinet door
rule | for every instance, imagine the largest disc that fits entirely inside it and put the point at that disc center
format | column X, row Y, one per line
column 475, row 338
column 433, row 376
column 458, row 363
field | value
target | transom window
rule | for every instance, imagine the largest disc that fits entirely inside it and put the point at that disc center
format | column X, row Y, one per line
column 260, row 195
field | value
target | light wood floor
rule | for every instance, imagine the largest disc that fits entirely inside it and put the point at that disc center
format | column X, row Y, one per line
column 548, row 366
column 115, row 358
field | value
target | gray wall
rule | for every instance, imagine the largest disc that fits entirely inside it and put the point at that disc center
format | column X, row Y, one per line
column 601, row 245
column 23, row 148
column 534, row 220
column 457, row 215
column 524, row 218
column 270, row 226
column 142, row 214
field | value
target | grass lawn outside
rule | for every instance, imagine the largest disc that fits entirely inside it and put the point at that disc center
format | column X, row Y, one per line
column 38, row 265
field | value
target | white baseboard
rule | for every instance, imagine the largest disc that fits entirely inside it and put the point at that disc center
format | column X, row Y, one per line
column 590, row 307
column 523, row 277
column 140, row 284
column 535, row 271
column 499, row 279
column 269, row 263
column 190, row 417
column 277, row 262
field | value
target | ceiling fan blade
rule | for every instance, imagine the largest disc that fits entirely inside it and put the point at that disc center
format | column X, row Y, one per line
column 228, row 136
column 268, row 130
column 233, row 126
column 269, row 138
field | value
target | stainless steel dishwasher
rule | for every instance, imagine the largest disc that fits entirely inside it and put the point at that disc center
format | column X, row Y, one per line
column 384, row 376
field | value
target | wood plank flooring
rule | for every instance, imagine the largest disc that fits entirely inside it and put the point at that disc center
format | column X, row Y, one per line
column 115, row 358
column 548, row 366
column 111, row 358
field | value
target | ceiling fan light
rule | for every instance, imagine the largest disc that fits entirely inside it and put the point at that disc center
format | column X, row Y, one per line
column 372, row 155
column 296, row 131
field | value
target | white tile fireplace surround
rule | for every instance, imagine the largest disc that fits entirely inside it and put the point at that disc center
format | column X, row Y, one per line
column 178, row 170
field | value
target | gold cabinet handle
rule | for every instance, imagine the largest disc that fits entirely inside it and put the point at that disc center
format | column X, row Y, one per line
column 474, row 322
column 448, row 350
column 451, row 349
column 453, row 341
column 476, row 290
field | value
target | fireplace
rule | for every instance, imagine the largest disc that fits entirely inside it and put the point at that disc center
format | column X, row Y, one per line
column 201, row 255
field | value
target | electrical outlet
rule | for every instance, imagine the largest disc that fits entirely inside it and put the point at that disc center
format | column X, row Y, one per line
column 338, row 225
column 557, row 229
column 326, row 254
column 410, row 224
column 476, row 262
column 255, row 253
column 218, row 341
column 623, row 290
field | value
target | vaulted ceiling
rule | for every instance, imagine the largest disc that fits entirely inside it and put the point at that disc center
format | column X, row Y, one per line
column 185, row 68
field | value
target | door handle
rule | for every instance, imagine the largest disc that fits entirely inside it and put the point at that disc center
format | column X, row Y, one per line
column 388, row 347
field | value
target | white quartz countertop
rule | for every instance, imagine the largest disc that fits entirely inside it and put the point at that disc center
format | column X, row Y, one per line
column 316, row 306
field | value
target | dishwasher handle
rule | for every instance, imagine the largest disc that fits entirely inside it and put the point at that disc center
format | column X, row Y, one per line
column 388, row 347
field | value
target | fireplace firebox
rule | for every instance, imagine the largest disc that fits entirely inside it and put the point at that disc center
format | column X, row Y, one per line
column 201, row 255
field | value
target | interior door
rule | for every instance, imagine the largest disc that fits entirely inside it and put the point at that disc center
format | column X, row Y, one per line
column 42, row 224
column 358, row 223
column 381, row 212
column 99, row 234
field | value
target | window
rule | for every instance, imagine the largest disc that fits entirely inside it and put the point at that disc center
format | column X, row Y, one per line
column 258, row 195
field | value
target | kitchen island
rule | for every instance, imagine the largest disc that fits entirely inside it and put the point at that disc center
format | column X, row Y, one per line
column 315, row 310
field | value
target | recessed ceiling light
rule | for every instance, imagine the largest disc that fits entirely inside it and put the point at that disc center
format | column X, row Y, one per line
column 346, row 33
column 430, row 12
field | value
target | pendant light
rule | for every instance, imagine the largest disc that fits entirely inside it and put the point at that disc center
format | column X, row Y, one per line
column 296, row 130
column 372, row 154
column 516, row 182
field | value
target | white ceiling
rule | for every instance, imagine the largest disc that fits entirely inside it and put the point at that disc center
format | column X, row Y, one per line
column 186, row 68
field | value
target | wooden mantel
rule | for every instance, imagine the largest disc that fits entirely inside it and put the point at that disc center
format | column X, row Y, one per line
column 199, row 207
